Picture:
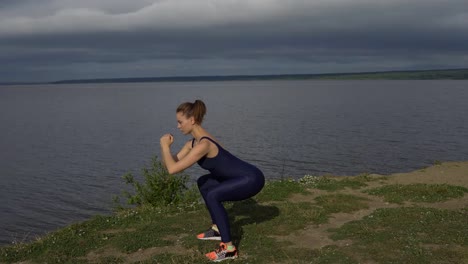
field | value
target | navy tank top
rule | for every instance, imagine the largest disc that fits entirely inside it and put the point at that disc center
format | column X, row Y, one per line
column 225, row 165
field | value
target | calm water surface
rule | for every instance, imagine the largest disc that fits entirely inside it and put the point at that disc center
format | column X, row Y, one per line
column 64, row 148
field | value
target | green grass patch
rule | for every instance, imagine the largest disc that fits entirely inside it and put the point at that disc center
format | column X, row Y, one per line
column 280, row 190
column 168, row 258
column 110, row 259
column 330, row 254
column 326, row 255
column 345, row 203
column 408, row 235
column 418, row 192
column 328, row 183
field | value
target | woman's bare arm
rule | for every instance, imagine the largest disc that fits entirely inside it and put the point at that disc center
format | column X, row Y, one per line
column 186, row 159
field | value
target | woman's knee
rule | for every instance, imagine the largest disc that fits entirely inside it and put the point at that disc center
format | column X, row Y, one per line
column 203, row 180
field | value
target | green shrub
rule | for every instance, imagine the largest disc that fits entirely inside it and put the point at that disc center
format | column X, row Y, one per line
column 159, row 188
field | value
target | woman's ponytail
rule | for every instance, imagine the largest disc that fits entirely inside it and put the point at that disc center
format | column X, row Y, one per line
column 199, row 111
column 196, row 110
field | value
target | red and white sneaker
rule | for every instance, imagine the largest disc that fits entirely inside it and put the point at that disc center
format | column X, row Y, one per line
column 222, row 253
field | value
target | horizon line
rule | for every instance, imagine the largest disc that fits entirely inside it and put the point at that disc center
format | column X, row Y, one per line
column 220, row 77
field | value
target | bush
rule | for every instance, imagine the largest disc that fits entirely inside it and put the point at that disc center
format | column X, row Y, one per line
column 160, row 188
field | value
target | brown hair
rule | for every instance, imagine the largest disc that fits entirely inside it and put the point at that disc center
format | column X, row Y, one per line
column 196, row 109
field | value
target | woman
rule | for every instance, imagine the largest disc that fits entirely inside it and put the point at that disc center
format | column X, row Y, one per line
column 230, row 179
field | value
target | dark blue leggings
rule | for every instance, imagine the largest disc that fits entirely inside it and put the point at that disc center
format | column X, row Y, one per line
column 216, row 191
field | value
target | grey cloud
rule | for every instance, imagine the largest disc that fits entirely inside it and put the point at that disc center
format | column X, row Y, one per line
column 314, row 16
column 229, row 37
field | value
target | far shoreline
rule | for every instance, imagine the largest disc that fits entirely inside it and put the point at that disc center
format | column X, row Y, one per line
column 432, row 74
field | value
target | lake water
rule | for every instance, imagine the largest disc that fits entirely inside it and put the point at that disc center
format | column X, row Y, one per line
column 64, row 148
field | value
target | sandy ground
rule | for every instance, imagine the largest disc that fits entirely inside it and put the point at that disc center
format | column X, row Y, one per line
column 453, row 173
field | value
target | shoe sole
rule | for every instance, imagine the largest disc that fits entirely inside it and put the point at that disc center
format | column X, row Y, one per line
column 219, row 260
column 210, row 238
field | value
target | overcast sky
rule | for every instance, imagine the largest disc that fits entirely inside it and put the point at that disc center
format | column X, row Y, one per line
column 48, row 40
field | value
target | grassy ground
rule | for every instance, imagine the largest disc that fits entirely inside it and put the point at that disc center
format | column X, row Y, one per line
column 360, row 219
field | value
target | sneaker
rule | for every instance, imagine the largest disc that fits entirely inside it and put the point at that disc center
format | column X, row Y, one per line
column 209, row 234
column 222, row 253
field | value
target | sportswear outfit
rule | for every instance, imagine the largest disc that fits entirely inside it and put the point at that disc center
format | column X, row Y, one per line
column 230, row 179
